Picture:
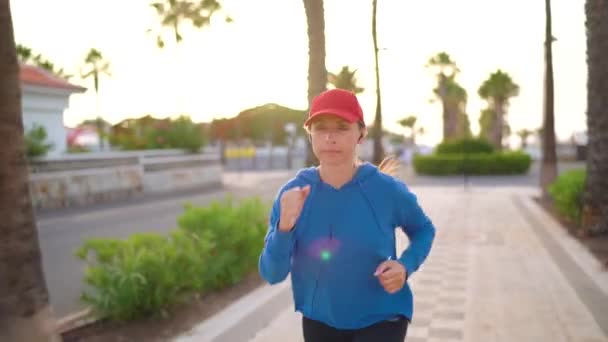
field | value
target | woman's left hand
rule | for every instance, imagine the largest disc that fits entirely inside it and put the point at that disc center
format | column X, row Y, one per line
column 392, row 275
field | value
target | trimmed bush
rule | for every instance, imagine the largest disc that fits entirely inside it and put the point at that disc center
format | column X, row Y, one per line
column 567, row 194
column 212, row 247
column 468, row 145
column 473, row 164
column 36, row 144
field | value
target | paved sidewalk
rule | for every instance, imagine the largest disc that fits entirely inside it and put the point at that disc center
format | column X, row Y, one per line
column 500, row 270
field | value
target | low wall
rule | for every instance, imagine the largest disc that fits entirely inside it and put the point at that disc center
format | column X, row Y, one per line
column 84, row 179
column 176, row 173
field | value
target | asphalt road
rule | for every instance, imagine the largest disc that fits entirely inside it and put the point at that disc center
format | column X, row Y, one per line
column 61, row 233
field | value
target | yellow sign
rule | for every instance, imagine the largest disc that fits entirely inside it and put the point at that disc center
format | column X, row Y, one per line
column 236, row 152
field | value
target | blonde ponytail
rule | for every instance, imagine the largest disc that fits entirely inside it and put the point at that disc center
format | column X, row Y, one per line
column 390, row 166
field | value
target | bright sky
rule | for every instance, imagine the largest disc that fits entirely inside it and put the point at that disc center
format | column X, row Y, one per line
column 263, row 56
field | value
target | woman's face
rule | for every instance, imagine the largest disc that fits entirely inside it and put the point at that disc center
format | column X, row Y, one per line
column 334, row 140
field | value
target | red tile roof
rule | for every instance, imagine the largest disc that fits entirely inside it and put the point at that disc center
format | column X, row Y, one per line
column 36, row 76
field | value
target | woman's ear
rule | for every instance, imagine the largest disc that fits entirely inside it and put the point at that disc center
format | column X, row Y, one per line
column 362, row 136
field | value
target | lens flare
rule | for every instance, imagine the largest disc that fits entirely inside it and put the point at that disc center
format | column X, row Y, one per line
column 324, row 249
column 325, row 255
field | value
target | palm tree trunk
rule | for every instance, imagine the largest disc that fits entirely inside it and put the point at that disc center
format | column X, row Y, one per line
column 548, row 171
column 443, row 93
column 25, row 314
column 498, row 125
column 595, row 209
column 524, row 141
column 317, row 72
column 378, row 148
column 452, row 117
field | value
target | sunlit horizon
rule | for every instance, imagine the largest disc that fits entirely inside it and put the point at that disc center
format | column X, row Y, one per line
column 262, row 57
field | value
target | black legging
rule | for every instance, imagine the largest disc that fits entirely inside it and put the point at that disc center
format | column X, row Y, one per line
column 385, row 331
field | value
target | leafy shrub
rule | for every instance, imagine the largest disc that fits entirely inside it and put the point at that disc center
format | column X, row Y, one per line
column 466, row 145
column 236, row 233
column 567, row 193
column 212, row 247
column 180, row 133
column 473, row 164
column 36, row 144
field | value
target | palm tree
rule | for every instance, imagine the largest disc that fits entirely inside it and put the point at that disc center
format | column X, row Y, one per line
column 548, row 169
column 24, row 53
column 27, row 56
column 345, row 79
column 524, row 134
column 448, row 91
column 454, row 98
column 378, row 148
column 317, row 72
column 409, row 122
column 497, row 90
column 486, row 120
column 25, row 314
column 457, row 108
column 97, row 66
column 595, row 209
column 175, row 13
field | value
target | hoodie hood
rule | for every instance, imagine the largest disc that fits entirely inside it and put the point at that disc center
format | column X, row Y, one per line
column 311, row 175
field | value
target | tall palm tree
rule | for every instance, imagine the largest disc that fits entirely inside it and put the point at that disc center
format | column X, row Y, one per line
column 174, row 13
column 317, row 72
column 378, row 148
column 447, row 90
column 457, row 98
column 25, row 313
column 409, row 122
column 96, row 67
column 345, row 79
column 497, row 90
column 486, row 120
column 524, row 134
column 548, row 169
column 595, row 210
column 454, row 101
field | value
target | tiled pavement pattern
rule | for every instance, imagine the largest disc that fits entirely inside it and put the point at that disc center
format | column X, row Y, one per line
column 439, row 286
column 439, row 289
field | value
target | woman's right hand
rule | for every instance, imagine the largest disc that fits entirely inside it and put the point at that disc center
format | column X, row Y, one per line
column 292, row 202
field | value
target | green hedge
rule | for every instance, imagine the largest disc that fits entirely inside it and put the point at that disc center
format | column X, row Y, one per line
column 473, row 164
column 468, row 145
column 212, row 247
column 567, row 194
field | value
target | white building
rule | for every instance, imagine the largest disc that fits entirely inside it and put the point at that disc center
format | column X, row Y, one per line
column 45, row 97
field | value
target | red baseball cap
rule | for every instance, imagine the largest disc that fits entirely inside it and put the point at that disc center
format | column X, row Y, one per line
column 338, row 102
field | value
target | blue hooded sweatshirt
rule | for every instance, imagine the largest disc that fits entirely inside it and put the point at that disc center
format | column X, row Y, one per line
column 340, row 238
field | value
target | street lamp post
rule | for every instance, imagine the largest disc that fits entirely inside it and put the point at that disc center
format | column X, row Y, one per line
column 290, row 129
